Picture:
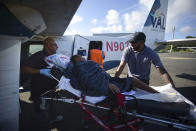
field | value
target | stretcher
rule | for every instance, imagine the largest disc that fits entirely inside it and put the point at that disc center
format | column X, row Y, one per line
column 128, row 110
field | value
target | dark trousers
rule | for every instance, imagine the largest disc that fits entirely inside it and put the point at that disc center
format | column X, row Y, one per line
column 40, row 85
column 47, row 115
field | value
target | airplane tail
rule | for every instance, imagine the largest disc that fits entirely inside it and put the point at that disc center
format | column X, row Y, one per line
column 154, row 27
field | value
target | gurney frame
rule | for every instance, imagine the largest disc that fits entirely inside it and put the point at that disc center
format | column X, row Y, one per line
column 128, row 124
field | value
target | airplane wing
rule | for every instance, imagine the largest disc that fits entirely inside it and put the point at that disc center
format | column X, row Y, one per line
column 187, row 41
column 56, row 14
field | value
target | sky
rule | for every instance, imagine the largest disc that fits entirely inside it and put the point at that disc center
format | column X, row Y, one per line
column 128, row 16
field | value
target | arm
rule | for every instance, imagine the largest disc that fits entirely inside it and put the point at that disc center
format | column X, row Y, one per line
column 141, row 85
column 31, row 66
column 160, row 68
column 165, row 75
column 114, row 89
column 120, row 69
column 124, row 60
column 103, row 55
column 30, row 70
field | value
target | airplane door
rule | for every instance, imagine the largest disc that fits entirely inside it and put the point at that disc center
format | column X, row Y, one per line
column 81, row 46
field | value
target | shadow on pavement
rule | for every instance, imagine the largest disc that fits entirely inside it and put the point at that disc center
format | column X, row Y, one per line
column 188, row 92
column 30, row 121
column 187, row 76
column 27, row 117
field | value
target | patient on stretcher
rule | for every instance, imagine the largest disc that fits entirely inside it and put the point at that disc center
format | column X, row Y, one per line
column 88, row 79
column 91, row 76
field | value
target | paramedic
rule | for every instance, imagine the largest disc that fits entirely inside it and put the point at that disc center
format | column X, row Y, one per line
column 112, row 87
column 36, row 67
column 40, row 77
column 139, row 57
column 97, row 55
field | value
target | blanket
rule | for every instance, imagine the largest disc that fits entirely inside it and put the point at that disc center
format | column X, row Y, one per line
column 91, row 80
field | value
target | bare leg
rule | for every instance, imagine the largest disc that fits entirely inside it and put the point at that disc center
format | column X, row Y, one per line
column 113, row 88
column 141, row 85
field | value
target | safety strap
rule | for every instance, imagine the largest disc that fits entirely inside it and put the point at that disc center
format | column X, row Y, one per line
column 121, row 99
column 122, row 108
column 100, row 63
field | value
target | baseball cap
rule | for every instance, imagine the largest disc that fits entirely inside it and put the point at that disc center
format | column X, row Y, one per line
column 137, row 36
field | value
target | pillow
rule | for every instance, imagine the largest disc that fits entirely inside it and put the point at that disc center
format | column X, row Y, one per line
column 57, row 60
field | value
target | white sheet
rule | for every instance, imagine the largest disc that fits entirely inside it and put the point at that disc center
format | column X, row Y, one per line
column 64, row 84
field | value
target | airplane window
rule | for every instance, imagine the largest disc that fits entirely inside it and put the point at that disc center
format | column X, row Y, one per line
column 35, row 48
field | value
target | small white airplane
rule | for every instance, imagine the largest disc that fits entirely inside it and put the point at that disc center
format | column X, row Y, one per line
column 23, row 20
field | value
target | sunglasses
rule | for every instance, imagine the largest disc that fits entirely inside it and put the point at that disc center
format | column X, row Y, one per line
column 132, row 42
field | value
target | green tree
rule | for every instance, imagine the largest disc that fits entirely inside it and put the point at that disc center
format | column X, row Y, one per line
column 190, row 37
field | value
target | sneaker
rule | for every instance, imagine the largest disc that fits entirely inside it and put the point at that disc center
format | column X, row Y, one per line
column 57, row 119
